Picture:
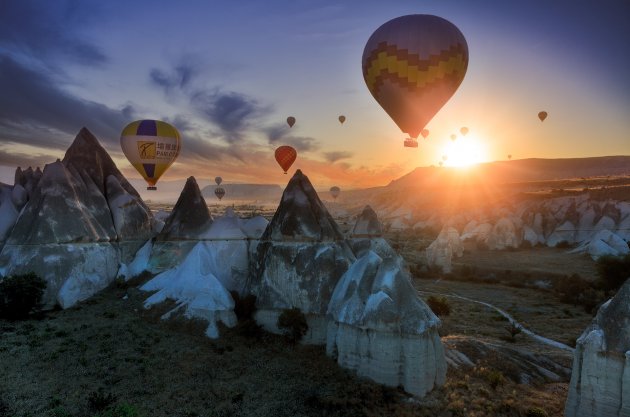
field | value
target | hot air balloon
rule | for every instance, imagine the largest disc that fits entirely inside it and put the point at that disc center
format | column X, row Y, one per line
column 424, row 133
column 218, row 180
column 464, row 131
column 441, row 163
column 290, row 121
column 509, row 156
column 444, row 157
column 334, row 192
column 412, row 65
column 453, row 136
column 151, row 146
column 342, row 119
column 285, row 156
column 542, row 116
column 219, row 192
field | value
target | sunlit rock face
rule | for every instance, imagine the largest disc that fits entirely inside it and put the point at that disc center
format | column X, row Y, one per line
column 600, row 379
column 81, row 218
column 300, row 258
column 441, row 251
column 381, row 329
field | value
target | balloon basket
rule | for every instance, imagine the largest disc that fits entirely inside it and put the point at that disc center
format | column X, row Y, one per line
column 411, row 143
column 152, row 188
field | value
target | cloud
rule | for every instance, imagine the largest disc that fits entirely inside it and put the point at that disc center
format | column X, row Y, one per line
column 34, row 110
column 49, row 29
column 278, row 135
column 333, row 157
column 179, row 78
column 232, row 112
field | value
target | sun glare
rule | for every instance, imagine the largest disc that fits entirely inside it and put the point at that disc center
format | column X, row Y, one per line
column 463, row 152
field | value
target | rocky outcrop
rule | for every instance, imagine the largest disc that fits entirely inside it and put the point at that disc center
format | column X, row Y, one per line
column 441, row 251
column 190, row 217
column 196, row 290
column 81, row 219
column 600, row 380
column 300, row 258
column 367, row 234
column 382, row 330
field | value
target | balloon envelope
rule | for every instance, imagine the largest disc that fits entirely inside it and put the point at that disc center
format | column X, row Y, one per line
column 542, row 116
column 151, row 146
column 509, row 156
column 334, row 192
column 342, row 119
column 424, row 133
column 285, row 156
column 218, row 180
column 290, row 121
column 412, row 65
column 453, row 137
column 463, row 130
column 219, row 192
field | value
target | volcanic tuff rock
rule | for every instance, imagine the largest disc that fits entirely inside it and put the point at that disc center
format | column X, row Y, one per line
column 367, row 235
column 80, row 221
column 380, row 327
column 190, row 216
column 367, row 224
column 300, row 258
column 441, row 251
column 600, row 380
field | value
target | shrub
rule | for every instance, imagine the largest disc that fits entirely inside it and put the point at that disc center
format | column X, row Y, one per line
column 536, row 412
column 513, row 330
column 563, row 244
column 99, row 400
column 613, row 271
column 245, row 307
column 20, row 294
column 120, row 410
column 439, row 305
column 293, row 323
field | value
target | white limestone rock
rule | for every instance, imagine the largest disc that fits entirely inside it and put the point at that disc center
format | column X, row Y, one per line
column 196, row 290
column 505, row 234
column 382, row 330
column 600, row 380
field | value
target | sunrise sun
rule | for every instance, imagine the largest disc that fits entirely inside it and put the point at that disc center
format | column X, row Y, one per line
column 464, row 151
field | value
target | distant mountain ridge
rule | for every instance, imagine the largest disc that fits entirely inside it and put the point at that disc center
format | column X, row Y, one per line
column 246, row 191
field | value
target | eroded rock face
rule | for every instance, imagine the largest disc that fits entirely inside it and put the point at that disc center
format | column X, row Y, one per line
column 190, row 217
column 367, row 225
column 600, row 380
column 300, row 258
column 441, row 251
column 381, row 329
column 81, row 218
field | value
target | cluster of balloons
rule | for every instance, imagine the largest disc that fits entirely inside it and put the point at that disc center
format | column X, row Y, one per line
column 412, row 65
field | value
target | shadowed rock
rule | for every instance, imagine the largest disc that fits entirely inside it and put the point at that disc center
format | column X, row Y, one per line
column 190, row 216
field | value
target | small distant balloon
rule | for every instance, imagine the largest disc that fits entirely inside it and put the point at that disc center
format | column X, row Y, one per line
column 285, row 156
column 218, row 180
column 464, row 131
column 509, row 157
column 424, row 133
column 342, row 119
column 151, row 146
column 444, row 157
column 290, row 121
column 219, row 192
column 453, row 137
column 334, row 192
column 542, row 116
column 441, row 163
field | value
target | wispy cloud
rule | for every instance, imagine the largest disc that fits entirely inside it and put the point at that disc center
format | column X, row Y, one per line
column 278, row 134
column 46, row 30
column 333, row 157
column 31, row 103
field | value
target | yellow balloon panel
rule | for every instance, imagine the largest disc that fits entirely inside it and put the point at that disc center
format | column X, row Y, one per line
column 151, row 146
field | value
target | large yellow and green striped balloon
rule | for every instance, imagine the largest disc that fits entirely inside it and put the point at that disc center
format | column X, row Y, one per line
column 151, row 146
column 412, row 65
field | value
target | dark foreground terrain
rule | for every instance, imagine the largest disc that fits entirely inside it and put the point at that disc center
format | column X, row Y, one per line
column 110, row 357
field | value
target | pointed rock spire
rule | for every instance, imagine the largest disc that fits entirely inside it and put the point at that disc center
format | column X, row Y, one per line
column 190, row 216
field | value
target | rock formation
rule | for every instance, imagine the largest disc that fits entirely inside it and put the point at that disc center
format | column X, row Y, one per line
column 300, row 258
column 197, row 291
column 81, row 219
column 382, row 330
column 440, row 253
column 600, row 380
column 367, row 235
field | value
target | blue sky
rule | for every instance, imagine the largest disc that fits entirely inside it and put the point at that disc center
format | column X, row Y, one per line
column 228, row 73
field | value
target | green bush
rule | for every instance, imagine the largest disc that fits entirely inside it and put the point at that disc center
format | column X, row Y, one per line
column 244, row 307
column 99, row 400
column 613, row 271
column 20, row 294
column 120, row 410
column 536, row 412
column 293, row 323
column 439, row 305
